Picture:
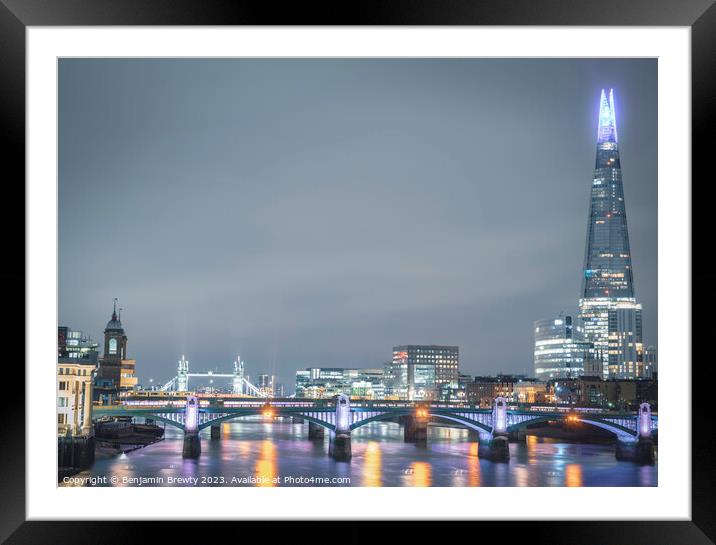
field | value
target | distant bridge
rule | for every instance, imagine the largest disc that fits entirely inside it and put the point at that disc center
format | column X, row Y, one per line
column 239, row 383
column 340, row 419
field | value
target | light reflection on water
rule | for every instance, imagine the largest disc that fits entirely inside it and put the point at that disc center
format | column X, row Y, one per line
column 266, row 464
column 269, row 452
column 372, row 465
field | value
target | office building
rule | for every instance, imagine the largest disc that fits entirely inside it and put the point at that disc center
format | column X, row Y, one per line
column 626, row 350
column 651, row 364
column 560, row 350
column 420, row 372
column 327, row 382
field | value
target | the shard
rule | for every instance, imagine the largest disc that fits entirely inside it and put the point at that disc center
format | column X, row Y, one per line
column 608, row 308
column 607, row 261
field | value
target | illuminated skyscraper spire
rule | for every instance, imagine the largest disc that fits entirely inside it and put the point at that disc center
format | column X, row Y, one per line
column 607, row 118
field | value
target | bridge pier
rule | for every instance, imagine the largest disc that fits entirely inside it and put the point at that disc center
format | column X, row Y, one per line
column 315, row 431
column 518, row 436
column 640, row 452
column 339, row 446
column 415, row 430
column 192, row 445
column 494, row 448
column 216, row 431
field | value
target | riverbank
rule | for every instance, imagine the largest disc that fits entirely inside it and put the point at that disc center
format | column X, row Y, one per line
column 110, row 439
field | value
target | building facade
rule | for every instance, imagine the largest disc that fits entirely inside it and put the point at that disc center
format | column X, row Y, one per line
column 327, row 382
column 612, row 394
column 626, row 350
column 76, row 365
column 514, row 388
column 651, row 362
column 607, row 282
column 560, row 350
column 421, row 372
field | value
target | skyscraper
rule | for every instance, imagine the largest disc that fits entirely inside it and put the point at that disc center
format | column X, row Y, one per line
column 607, row 285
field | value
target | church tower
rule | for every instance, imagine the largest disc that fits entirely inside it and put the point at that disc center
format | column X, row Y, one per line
column 116, row 371
column 115, row 341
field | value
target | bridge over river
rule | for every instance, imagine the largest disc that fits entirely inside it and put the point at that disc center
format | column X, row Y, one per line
column 491, row 427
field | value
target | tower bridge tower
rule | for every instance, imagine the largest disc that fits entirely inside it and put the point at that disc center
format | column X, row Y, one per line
column 238, row 380
column 183, row 374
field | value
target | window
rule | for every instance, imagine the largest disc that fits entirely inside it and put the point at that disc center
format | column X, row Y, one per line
column 62, row 402
column 113, row 346
column 63, row 385
column 61, row 418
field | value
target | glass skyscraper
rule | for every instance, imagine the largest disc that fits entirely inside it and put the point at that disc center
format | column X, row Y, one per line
column 607, row 295
column 560, row 349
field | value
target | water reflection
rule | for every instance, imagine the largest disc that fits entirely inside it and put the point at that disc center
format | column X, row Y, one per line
column 266, row 464
column 521, row 476
column 473, row 465
column 422, row 474
column 253, row 450
column 372, row 470
column 573, row 475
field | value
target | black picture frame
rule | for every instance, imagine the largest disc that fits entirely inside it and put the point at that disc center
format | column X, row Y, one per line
column 699, row 15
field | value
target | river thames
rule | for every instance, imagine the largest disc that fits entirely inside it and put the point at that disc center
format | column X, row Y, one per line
column 278, row 453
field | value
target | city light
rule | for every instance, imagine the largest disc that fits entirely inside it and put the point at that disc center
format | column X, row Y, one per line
column 574, row 357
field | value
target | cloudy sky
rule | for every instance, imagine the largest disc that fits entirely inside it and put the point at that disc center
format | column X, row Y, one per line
column 317, row 212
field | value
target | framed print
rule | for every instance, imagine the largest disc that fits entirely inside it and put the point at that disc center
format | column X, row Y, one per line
column 431, row 262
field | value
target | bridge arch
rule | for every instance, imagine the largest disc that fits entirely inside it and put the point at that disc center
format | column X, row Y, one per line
column 472, row 424
column 375, row 418
column 164, row 419
column 259, row 411
column 621, row 432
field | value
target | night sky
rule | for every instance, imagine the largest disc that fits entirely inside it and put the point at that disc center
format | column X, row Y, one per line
column 317, row 212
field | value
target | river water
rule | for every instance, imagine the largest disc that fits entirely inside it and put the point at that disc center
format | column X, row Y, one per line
column 256, row 453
